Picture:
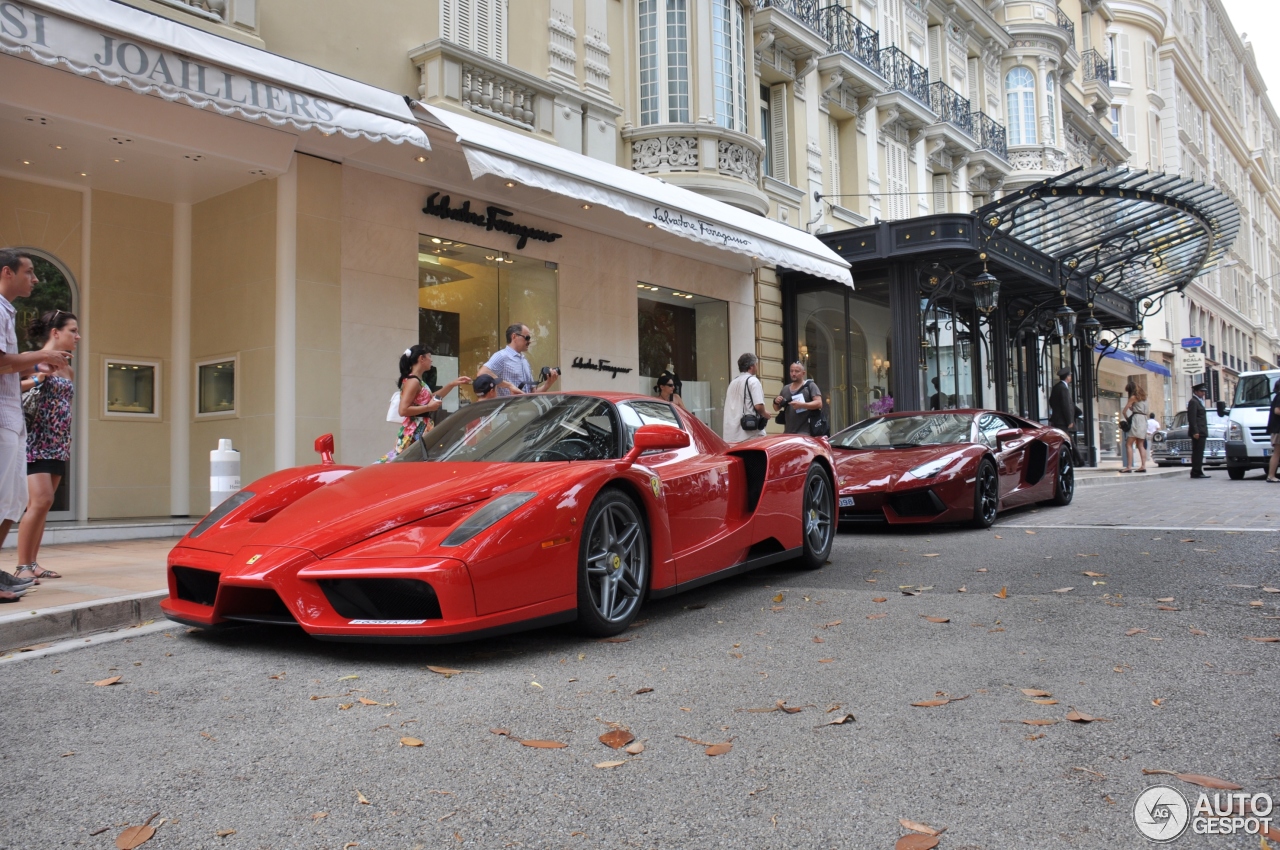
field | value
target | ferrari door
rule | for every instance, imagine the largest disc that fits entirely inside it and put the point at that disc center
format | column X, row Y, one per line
column 697, row 486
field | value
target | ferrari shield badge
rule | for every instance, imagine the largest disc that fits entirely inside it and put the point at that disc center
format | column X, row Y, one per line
column 253, row 560
column 656, row 485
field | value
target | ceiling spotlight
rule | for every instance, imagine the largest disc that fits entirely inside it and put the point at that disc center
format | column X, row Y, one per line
column 84, row 174
column 26, row 162
column 436, row 239
column 419, row 158
column 586, row 206
column 56, row 147
column 510, row 185
column 119, row 160
column 650, row 226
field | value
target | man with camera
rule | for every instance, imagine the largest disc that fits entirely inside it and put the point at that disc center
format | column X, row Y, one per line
column 509, row 366
column 744, row 416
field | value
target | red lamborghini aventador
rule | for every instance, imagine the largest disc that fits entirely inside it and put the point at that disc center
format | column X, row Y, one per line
column 949, row 466
column 512, row 513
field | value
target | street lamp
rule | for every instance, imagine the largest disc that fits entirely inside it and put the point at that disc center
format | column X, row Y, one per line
column 1064, row 319
column 1091, row 327
column 1141, row 349
column 986, row 290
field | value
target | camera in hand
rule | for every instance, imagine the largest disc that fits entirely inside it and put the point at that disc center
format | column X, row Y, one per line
column 546, row 372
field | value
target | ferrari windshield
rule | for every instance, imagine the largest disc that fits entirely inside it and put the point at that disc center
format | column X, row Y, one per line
column 522, row 429
column 936, row 429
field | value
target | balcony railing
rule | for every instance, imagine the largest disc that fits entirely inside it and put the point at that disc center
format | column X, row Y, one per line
column 950, row 107
column 991, row 135
column 849, row 35
column 806, row 12
column 1067, row 24
column 905, row 74
column 1097, row 68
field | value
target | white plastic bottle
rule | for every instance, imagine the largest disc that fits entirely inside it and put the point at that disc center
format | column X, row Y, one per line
column 224, row 473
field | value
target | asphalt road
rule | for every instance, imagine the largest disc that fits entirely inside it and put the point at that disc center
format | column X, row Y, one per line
column 261, row 731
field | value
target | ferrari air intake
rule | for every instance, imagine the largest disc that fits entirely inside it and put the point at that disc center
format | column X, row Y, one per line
column 382, row 598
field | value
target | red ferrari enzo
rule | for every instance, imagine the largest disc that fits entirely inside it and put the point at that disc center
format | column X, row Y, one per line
column 511, row 514
column 949, row 466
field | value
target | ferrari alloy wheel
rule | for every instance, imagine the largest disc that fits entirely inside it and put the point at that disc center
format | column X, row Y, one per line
column 986, row 495
column 818, row 518
column 1064, row 489
column 613, row 565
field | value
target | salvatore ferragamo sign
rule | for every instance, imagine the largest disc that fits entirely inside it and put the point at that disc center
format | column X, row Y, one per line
column 493, row 218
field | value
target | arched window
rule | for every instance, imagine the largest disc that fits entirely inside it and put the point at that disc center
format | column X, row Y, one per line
column 1051, row 104
column 1020, row 104
column 664, row 62
column 729, row 64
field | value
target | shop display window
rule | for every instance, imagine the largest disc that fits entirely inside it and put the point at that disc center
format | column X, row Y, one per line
column 132, row 389
column 216, row 387
column 687, row 336
column 468, row 295
column 846, row 346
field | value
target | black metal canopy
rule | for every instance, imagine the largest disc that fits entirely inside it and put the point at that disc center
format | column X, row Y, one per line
column 1133, row 233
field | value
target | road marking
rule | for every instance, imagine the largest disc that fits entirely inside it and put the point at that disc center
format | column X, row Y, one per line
column 1096, row 526
column 93, row 640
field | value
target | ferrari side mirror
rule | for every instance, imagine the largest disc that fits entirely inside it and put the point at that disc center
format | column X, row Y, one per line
column 661, row 438
column 1003, row 436
column 324, row 446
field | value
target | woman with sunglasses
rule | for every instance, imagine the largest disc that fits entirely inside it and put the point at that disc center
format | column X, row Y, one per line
column 48, row 435
column 416, row 398
column 666, row 389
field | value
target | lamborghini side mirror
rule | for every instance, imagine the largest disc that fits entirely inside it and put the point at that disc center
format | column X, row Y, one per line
column 1005, row 435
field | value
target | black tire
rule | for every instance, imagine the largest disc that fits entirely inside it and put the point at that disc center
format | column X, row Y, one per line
column 1064, row 487
column 613, row 564
column 818, row 518
column 986, row 495
column 1236, row 473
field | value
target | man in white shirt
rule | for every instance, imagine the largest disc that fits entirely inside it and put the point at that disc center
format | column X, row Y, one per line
column 745, row 395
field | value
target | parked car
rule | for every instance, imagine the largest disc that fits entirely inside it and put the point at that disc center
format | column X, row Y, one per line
column 1248, row 446
column 512, row 513
column 949, row 466
column 1173, row 447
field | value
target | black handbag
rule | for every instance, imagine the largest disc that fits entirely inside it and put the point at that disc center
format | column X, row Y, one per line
column 31, row 404
column 751, row 421
column 818, row 424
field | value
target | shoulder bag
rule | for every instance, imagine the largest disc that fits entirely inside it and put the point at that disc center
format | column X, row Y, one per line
column 818, row 424
column 31, row 404
column 751, row 421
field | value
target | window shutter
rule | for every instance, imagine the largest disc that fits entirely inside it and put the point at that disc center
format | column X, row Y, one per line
column 499, row 38
column 778, row 132
column 936, row 45
column 833, row 158
column 1154, row 142
column 975, row 74
column 1126, row 74
column 1152, row 70
column 1129, row 129
column 939, row 194
column 449, row 20
column 896, row 184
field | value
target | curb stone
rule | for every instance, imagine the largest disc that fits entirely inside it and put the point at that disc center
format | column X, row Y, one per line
column 64, row 622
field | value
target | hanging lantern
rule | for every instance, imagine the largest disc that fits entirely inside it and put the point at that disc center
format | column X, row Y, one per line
column 1091, row 327
column 1141, row 349
column 1064, row 320
column 986, row 291
column 964, row 342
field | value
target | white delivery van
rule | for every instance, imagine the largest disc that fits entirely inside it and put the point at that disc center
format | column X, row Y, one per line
column 1248, row 446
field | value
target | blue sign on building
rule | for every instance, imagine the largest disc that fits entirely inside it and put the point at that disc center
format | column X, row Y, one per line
column 1192, row 342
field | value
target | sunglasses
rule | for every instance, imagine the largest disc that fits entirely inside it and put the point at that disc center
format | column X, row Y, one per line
column 525, row 337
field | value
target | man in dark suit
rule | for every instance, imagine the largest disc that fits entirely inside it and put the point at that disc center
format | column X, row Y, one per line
column 1062, row 405
column 1198, row 428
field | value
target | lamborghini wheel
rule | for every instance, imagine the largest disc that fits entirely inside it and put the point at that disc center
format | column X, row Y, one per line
column 986, row 495
column 818, row 517
column 1064, row 489
column 613, row 565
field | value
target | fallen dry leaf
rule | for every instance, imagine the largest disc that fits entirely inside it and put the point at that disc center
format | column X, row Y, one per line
column 367, row 701
column 1033, row 692
column 719, row 749
column 102, row 683
column 605, row 765
column 778, row 598
column 1063, row 590
column 880, row 599
column 1257, row 603
column 1045, row 701
column 914, row 826
column 933, row 555
column 916, row 841
column 1271, row 590
column 839, row 720
column 1092, row 574
column 1030, row 532
column 1040, row 722
column 645, row 691
column 1198, row 632
column 617, row 738
column 832, row 624
column 876, row 616
column 411, row 742
column 616, row 639
column 443, row 671
column 343, row 706
column 938, row 619
column 1187, row 540
column 319, row 815
column 981, row 570
column 1133, row 632
column 934, row 703
column 1165, row 599
column 1167, row 608
column 1157, row 702
column 506, row 732
column 825, row 660
column 963, row 590
column 1197, row 779
column 136, row 836
column 635, row 749
column 362, row 799
column 1264, row 639
column 544, row 745
column 1080, row 717
column 818, row 640
column 223, row 833
column 1003, row 594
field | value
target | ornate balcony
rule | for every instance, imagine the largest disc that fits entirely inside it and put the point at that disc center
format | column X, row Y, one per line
column 991, row 135
column 1067, row 24
column 849, row 35
column 795, row 25
column 904, row 74
column 805, row 11
column 1098, row 75
column 851, row 71
column 485, row 86
column 950, row 107
column 704, row 158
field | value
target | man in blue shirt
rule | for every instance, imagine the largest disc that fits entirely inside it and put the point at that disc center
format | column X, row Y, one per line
column 510, row 365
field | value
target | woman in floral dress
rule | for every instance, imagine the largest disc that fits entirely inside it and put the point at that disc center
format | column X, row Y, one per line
column 48, row 435
column 416, row 398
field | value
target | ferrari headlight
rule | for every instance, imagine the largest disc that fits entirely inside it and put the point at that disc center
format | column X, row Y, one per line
column 930, row 469
column 221, row 511
column 1235, row 432
column 485, row 517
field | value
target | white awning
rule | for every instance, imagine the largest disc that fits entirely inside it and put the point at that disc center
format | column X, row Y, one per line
column 514, row 156
column 149, row 54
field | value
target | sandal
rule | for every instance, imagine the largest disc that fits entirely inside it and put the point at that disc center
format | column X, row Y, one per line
column 39, row 572
column 1126, row 470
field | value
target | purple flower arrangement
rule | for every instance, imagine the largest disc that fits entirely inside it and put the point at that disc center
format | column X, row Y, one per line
column 881, row 406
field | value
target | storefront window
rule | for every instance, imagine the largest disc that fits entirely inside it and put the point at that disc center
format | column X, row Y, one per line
column 217, row 387
column 845, row 345
column 687, row 336
column 131, row 388
column 468, row 295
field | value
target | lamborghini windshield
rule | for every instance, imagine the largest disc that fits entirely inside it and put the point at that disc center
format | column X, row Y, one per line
column 901, row 432
column 522, row 429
